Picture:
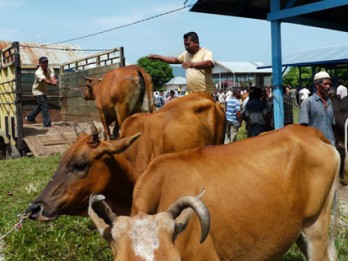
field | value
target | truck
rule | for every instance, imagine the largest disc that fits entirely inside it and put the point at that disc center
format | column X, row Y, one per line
column 18, row 63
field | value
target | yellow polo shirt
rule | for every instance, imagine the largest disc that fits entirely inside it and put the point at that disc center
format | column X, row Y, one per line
column 198, row 80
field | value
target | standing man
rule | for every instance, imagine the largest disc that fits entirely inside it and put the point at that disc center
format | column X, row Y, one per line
column 317, row 110
column 44, row 76
column 293, row 94
column 198, row 63
column 159, row 100
column 288, row 106
column 233, row 117
column 304, row 94
column 171, row 96
column 341, row 90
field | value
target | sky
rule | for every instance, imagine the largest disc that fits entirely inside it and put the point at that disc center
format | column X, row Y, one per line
column 229, row 38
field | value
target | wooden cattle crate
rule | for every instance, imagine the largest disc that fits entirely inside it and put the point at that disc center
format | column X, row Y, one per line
column 74, row 107
column 17, row 69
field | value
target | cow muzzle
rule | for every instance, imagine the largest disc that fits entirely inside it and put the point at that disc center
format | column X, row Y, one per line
column 35, row 212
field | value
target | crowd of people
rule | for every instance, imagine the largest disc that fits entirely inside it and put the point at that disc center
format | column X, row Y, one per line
column 256, row 109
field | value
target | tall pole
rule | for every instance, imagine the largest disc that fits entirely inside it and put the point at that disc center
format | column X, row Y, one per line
column 278, row 108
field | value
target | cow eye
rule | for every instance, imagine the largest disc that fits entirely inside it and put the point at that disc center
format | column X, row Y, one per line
column 79, row 166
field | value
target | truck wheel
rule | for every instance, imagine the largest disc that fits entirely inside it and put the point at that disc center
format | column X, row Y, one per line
column 2, row 149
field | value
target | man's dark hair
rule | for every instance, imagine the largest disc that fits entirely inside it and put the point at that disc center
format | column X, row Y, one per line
column 193, row 36
column 236, row 93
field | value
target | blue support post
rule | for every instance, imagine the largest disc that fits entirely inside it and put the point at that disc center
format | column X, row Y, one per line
column 278, row 108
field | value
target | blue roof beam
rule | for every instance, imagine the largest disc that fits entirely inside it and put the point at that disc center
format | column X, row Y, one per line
column 291, row 3
column 318, row 23
column 305, row 9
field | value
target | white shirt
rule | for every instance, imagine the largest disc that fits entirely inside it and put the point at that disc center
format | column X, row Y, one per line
column 39, row 86
column 341, row 91
column 228, row 95
column 304, row 93
column 221, row 97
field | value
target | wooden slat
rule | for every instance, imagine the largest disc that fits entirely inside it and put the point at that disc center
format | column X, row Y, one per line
column 43, row 145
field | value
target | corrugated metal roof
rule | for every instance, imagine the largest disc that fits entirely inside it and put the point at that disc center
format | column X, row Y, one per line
column 56, row 53
column 178, row 80
column 239, row 67
column 316, row 56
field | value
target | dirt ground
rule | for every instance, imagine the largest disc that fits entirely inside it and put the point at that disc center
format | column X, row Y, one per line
column 343, row 198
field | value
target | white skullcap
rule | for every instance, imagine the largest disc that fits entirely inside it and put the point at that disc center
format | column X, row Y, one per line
column 321, row 75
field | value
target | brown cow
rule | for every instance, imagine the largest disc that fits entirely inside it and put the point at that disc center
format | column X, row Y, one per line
column 111, row 168
column 147, row 237
column 263, row 194
column 120, row 93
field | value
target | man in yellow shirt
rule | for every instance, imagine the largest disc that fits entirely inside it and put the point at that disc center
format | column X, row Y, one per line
column 44, row 76
column 198, row 63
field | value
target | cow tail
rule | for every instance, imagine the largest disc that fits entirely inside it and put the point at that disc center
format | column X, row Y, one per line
column 147, row 88
column 142, row 84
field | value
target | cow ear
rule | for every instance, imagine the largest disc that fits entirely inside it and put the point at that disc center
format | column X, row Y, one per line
column 120, row 145
column 101, row 215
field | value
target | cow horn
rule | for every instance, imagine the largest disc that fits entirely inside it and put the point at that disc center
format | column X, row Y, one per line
column 200, row 209
column 101, row 208
column 78, row 130
column 87, row 78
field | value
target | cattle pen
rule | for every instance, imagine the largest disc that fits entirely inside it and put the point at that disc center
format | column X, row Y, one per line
column 18, row 62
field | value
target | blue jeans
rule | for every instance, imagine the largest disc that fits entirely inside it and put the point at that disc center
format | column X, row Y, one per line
column 43, row 107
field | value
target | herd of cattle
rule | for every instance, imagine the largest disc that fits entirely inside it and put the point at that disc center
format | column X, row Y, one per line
column 262, row 194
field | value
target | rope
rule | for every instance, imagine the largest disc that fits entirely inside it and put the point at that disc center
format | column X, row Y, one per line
column 18, row 225
column 122, row 26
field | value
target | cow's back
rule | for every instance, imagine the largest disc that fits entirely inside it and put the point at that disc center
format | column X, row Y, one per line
column 116, row 83
column 259, row 191
column 187, row 122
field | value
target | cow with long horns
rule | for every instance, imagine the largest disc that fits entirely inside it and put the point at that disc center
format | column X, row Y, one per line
column 148, row 237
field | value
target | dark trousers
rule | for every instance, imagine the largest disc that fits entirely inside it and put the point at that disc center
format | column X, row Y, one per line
column 255, row 129
column 43, row 108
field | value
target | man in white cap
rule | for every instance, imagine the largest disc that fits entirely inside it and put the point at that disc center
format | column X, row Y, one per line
column 317, row 110
column 44, row 76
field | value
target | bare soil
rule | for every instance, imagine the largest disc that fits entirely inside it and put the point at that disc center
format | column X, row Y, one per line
column 343, row 198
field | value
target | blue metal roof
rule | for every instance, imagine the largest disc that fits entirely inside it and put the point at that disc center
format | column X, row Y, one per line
column 316, row 56
column 239, row 67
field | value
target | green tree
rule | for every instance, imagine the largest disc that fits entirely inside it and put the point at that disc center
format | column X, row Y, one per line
column 292, row 76
column 160, row 71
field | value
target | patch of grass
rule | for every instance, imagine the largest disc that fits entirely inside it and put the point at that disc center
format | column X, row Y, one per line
column 68, row 238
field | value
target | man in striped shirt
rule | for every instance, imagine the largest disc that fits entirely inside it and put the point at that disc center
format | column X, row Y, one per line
column 233, row 117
